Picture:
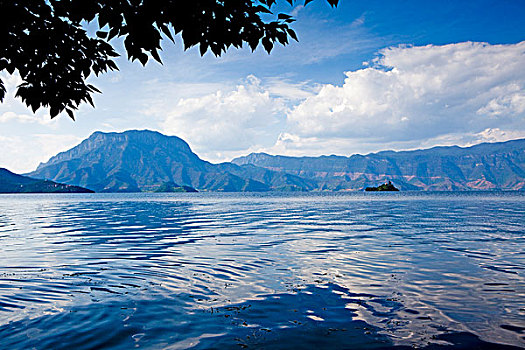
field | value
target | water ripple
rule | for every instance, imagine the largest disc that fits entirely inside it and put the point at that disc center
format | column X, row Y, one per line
column 211, row 270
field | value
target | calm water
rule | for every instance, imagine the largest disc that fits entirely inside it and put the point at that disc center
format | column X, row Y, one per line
column 363, row 270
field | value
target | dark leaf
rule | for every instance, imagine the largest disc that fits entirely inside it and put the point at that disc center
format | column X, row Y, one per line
column 113, row 32
column 156, row 56
column 53, row 111
column 263, row 9
column 70, row 113
column 89, row 99
column 143, row 58
column 167, row 32
column 2, row 90
column 291, row 33
column 203, row 48
column 93, row 89
column 283, row 16
column 267, row 44
column 102, row 34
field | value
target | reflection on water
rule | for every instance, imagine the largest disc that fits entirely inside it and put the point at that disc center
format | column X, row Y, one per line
column 362, row 270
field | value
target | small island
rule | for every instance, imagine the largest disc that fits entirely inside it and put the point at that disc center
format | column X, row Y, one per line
column 384, row 187
column 173, row 187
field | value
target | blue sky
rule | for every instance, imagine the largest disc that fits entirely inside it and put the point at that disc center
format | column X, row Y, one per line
column 365, row 77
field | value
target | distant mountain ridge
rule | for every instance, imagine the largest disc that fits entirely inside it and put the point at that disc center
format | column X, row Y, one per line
column 486, row 166
column 143, row 160
column 14, row 183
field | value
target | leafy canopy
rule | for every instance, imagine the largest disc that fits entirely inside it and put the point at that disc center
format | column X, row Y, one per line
column 47, row 43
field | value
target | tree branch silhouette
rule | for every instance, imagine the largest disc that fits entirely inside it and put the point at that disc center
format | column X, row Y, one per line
column 46, row 42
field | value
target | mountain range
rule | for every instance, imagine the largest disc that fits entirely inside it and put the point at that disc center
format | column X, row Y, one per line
column 486, row 166
column 135, row 161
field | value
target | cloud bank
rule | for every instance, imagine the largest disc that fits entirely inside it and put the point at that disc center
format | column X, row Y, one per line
column 407, row 97
column 417, row 93
column 228, row 121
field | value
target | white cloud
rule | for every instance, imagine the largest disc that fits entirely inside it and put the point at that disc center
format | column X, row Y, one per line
column 228, row 121
column 406, row 98
column 296, row 10
column 20, row 154
column 161, row 97
column 11, row 81
column 40, row 118
column 14, row 111
column 420, row 93
column 510, row 102
column 293, row 92
column 497, row 135
column 295, row 145
column 358, row 21
column 8, row 116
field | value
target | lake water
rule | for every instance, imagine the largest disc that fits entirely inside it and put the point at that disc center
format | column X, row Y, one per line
column 326, row 271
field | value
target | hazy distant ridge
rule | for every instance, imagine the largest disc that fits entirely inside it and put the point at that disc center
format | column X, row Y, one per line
column 484, row 166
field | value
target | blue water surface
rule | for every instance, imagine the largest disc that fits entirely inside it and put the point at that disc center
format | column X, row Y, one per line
column 263, row 271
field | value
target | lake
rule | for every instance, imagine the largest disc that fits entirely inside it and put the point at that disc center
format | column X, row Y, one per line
column 263, row 271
